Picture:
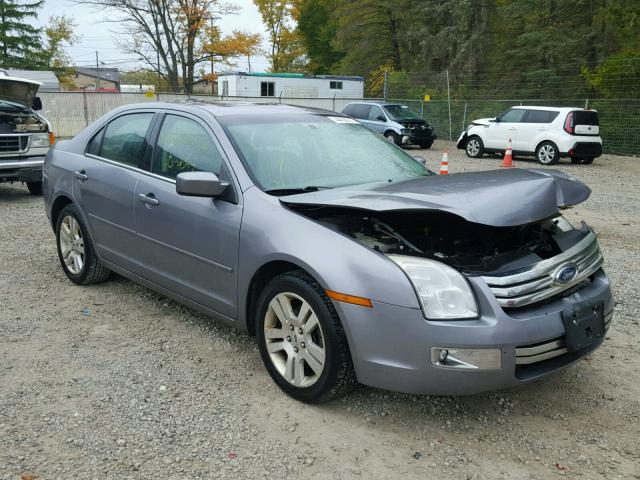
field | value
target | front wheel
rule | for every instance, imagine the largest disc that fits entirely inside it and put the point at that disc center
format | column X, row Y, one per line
column 301, row 340
column 75, row 250
column 35, row 188
column 474, row 147
column 547, row 153
column 426, row 144
column 392, row 137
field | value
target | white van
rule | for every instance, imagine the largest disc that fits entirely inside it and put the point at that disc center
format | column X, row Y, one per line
column 548, row 133
column 25, row 135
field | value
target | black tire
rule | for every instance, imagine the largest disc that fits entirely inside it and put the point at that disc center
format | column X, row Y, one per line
column 338, row 376
column 426, row 145
column 392, row 137
column 92, row 271
column 474, row 148
column 582, row 160
column 547, row 153
column 35, row 188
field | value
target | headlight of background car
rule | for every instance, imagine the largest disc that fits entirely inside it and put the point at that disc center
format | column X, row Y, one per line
column 40, row 140
column 443, row 292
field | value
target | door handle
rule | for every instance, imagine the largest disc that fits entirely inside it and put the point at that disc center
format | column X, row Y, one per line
column 512, row 128
column 81, row 175
column 148, row 199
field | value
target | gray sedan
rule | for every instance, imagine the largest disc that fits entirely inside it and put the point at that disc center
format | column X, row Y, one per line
column 348, row 260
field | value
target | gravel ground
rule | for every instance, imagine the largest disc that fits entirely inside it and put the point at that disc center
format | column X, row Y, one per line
column 114, row 381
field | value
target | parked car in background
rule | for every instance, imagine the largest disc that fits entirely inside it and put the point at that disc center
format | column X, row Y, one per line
column 398, row 123
column 344, row 256
column 25, row 135
column 548, row 133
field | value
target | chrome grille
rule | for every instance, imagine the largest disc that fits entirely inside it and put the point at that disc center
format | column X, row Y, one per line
column 13, row 143
column 538, row 283
column 550, row 349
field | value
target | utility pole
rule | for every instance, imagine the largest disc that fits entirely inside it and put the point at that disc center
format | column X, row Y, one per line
column 385, row 87
column 212, row 87
column 159, row 76
column 97, row 72
column 449, row 102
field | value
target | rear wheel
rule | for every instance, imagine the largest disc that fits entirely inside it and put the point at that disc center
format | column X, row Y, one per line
column 35, row 188
column 547, row 153
column 75, row 249
column 426, row 144
column 474, row 147
column 582, row 160
column 301, row 340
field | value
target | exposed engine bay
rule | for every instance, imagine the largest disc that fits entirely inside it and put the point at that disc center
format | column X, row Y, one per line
column 17, row 121
column 469, row 247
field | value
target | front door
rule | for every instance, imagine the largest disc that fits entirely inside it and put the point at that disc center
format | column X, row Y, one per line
column 377, row 119
column 104, row 183
column 503, row 129
column 188, row 244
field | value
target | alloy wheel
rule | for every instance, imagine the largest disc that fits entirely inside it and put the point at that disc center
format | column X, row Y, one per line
column 546, row 154
column 473, row 147
column 294, row 339
column 72, row 244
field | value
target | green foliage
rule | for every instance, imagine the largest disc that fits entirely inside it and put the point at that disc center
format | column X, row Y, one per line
column 20, row 42
column 318, row 28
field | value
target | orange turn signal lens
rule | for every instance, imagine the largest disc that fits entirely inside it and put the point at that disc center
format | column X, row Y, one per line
column 342, row 297
column 52, row 138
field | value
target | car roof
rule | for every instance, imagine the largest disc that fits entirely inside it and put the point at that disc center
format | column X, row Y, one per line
column 375, row 102
column 552, row 109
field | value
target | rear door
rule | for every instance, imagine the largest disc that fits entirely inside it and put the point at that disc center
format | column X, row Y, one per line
column 586, row 122
column 361, row 112
column 188, row 244
column 533, row 127
column 505, row 128
column 105, row 184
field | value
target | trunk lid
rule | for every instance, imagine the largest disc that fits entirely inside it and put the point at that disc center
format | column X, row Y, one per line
column 586, row 122
column 497, row 198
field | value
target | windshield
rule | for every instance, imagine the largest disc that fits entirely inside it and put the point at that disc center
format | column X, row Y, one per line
column 400, row 112
column 290, row 152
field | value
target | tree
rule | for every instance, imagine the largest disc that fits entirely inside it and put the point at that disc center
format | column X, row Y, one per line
column 318, row 27
column 20, row 41
column 170, row 35
column 286, row 51
column 59, row 33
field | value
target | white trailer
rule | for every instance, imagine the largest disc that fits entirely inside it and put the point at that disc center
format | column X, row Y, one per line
column 289, row 85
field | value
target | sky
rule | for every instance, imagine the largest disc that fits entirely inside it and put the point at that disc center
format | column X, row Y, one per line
column 96, row 35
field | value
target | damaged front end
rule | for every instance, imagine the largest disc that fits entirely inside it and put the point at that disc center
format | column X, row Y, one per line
column 524, row 263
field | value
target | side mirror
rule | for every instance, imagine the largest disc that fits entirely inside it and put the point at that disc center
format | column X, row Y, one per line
column 36, row 104
column 200, row 184
column 381, row 118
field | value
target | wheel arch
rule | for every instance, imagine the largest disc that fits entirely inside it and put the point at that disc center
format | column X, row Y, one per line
column 545, row 140
column 56, row 207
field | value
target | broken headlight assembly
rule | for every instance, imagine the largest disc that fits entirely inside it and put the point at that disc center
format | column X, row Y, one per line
column 443, row 292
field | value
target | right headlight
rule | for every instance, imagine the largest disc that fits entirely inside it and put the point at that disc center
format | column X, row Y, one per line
column 443, row 292
column 40, row 140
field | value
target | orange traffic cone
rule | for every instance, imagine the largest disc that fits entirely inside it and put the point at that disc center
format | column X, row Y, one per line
column 507, row 162
column 444, row 164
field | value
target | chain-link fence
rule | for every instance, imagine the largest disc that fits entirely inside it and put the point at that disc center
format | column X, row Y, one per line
column 70, row 112
column 619, row 118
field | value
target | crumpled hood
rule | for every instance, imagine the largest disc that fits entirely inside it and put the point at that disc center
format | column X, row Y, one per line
column 483, row 121
column 499, row 198
column 18, row 90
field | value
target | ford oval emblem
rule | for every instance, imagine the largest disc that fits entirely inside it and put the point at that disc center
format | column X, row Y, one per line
column 565, row 273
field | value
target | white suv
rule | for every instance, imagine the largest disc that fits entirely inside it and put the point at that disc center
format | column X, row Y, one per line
column 547, row 133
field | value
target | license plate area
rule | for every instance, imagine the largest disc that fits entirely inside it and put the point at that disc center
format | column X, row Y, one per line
column 584, row 324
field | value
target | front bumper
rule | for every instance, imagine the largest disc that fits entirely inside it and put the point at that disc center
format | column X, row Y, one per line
column 391, row 346
column 418, row 136
column 22, row 169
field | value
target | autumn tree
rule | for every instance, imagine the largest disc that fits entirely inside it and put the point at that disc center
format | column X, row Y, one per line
column 20, row 41
column 170, row 35
column 286, row 49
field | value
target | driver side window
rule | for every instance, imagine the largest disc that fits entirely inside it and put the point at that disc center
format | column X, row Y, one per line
column 375, row 113
column 125, row 139
column 514, row 115
column 185, row 146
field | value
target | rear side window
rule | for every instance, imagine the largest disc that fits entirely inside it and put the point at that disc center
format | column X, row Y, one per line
column 125, row 139
column 361, row 111
column 514, row 115
column 93, row 147
column 348, row 110
column 585, row 117
column 540, row 116
column 185, row 146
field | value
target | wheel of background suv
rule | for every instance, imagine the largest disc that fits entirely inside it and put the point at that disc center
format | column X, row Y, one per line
column 582, row 160
column 75, row 249
column 392, row 137
column 35, row 188
column 426, row 145
column 474, row 147
column 301, row 339
column 547, row 153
